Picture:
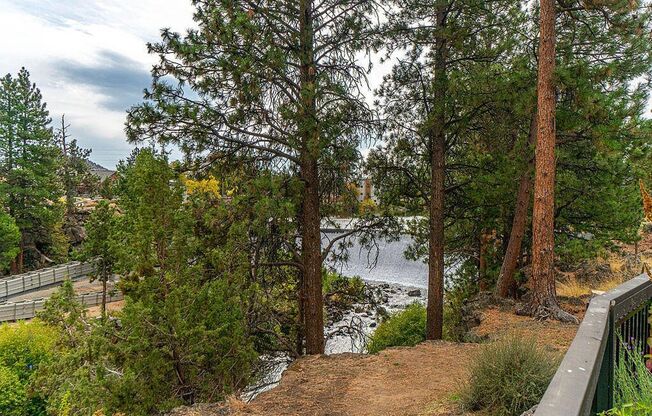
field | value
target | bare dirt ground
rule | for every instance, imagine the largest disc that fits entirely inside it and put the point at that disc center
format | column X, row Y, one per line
column 554, row 335
column 419, row 381
column 398, row 381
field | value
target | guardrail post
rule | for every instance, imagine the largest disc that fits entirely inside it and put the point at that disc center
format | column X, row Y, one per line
column 604, row 390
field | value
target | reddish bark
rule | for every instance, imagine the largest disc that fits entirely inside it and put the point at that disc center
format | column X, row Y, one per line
column 543, row 301
column 506, row 283
column 435, row 308
column 311, row 259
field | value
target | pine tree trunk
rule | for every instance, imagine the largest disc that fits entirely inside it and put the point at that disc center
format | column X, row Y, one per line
column 543, row 301
column 506, row 284
column 310, row 210
column 104, row 279
column 435, row 308
column 311, row 259
column 483, row 242
column 301, row 322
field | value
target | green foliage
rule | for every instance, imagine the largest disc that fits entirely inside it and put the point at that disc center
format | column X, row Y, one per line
column 101, row 230
column 405, row 328
column 630, row 409
column 508, row 377
column 632, row 384
column 335, row 282
column 77, row 377
column 633, row 387
column 24, row 346
column 461, row 288
column 74, row 170
column 9, row 240
column 183, row 335
column 13, row 400
column 342, row 292
column 24, row 349
column 29, row 163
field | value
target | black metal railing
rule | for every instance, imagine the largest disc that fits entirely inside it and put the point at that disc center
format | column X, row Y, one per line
column 584, row 382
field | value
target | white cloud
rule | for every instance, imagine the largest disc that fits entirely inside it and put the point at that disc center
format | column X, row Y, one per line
column 49, row 36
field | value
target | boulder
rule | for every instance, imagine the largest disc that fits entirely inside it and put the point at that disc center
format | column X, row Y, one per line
column 414, row 293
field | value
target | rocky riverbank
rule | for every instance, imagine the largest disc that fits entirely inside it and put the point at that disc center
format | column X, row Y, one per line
column 350, row 333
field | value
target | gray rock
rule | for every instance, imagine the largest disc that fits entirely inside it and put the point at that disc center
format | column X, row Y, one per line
column 414, row 293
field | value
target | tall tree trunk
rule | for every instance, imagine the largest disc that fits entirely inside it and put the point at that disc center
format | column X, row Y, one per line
column 483, row 244
column 435, row 308
column 506, row 284
column 310, row 210
column 543, row 301
column 313, row 306
column 300, row 316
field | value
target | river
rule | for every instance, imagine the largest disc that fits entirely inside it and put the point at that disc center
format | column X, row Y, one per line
column 385, row 263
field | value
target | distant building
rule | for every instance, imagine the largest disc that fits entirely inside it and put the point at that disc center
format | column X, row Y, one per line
column 365, row 190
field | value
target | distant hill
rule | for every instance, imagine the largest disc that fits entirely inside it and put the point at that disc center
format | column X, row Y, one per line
column 98, row 170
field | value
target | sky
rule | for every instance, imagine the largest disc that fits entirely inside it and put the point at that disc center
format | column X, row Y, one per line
column 89, row 58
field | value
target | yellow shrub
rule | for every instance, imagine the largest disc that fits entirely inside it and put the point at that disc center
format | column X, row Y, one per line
column 208, row 186
column 367, row 206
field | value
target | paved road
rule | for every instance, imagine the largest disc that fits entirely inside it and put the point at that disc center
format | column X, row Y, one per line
column 81, row 286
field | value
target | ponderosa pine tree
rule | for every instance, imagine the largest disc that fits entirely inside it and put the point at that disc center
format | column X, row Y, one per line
column 99, row 245
column 28, row 164
column 279, row 83
column 599, row 102
column 544, row 296
column 430, row 99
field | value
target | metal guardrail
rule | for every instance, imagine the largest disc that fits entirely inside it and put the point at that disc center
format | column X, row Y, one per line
column 22, row 283
column 29, row 308
column 584, row 382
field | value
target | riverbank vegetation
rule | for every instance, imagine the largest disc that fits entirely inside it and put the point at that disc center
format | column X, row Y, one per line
column 507, row 139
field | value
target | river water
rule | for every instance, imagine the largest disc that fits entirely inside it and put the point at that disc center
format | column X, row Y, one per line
column 385, row 263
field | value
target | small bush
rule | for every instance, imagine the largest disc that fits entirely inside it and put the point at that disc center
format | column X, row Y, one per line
column 13, row 397
column 24, row 346
column 405, row 328
column 508, row 377
column 633, row 385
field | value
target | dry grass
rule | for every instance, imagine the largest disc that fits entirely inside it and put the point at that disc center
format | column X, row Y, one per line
column 573, row 288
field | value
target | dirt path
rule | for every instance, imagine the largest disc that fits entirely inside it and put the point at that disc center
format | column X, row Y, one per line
column 396, row 382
